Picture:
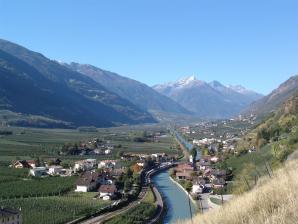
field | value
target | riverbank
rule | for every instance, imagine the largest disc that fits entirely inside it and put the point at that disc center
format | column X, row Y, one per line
column 182, row 188
column 175, row 200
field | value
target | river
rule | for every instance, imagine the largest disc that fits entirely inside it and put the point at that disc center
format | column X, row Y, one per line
column 175, row 198
column 187, row 144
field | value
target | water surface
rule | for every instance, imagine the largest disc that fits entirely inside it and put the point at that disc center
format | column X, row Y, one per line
column 175, row 198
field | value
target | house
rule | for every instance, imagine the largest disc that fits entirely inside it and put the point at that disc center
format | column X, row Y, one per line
column 219, row 174
column 32, row 163
column 38, row 172
column 20, row 164
column 88, row 181
column 107, row 190
column 84, row 165
column 197, row 189
column 186, row 175
column 107, row 164
column 55, row 170
column 218, row 183
column 141, row 163
column 214, row 159
column 66, row 172
column 53, row 162
column 184, row 167
column 10, row 216
column 108, row 151
column 204, row 163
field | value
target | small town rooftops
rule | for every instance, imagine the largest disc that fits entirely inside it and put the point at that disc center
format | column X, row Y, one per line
column 87, row 178
column 107, row 188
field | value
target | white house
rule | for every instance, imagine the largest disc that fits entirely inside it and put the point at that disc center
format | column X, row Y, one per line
column 88, row 182
column 84, row 165
column 55, row 170
column 197, row 189
column 107, row 190
column 108, row 151
column 107, row 163
column 38, row 172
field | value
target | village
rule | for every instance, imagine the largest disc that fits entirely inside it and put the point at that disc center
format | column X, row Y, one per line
column 113, row 178
column 101, row 167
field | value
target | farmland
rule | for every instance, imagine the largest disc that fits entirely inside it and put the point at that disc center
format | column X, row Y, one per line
column 36, row 187
column 52, row 199
column 30, row 143
column 54, row 210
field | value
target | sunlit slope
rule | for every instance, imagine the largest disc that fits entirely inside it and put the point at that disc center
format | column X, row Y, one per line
column 273, row 201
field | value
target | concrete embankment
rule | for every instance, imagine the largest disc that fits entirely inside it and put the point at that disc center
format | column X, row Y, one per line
column 182, row 188
column 160, row 210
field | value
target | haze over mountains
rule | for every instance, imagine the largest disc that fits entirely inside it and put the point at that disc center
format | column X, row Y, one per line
column 136, row 92
column 76, row 94
column 209, row 100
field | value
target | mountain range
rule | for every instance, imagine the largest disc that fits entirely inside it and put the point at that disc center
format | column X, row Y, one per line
column 209, row 100
column 38, row 91
column 275, row 99
column 33, row 84
column 136, row 92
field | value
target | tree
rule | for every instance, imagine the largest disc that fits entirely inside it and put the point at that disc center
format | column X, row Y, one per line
column 136, row 168
column 193, row 153
column 120, row 154
column 129, row 173
column 127, row 185
column 188, row 186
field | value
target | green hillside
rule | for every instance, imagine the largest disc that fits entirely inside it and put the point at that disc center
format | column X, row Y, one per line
column 274, row 140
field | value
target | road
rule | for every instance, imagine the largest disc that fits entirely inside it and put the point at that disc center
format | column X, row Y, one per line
column 109, row 215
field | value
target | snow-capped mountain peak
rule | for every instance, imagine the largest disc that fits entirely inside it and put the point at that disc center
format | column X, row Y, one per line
column 186, row 80
column 239, row 88
column 181, row 83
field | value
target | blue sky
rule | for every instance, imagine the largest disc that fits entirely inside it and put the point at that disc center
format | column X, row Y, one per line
column 248, row 42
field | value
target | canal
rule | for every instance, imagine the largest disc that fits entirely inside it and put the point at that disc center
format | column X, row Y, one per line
column 175, row 198
column 187, row 144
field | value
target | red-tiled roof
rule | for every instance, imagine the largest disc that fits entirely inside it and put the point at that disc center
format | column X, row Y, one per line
column 107, row 188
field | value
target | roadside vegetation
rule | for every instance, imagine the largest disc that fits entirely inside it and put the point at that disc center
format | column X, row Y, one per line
column 139, row 214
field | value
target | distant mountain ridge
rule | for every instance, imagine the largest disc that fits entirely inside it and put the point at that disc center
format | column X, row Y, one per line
column 136, row 92
column 275, row 99
column 33, row 84
column 210, row 100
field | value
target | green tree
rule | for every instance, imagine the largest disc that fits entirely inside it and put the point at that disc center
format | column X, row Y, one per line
column 188, row 186
column 194, row 153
